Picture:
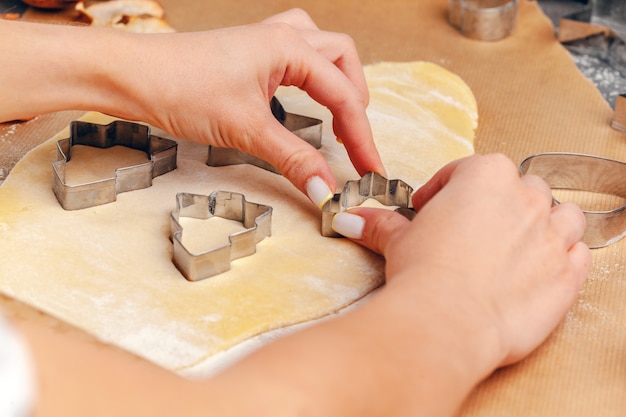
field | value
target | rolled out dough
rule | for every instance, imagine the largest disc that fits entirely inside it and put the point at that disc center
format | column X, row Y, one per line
column 108, row 269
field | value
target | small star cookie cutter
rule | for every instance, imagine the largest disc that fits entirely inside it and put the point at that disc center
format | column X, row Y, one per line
column 256, row 218
column 587, row 173
column 162, row 153
column 370, row 186
column 306, row 128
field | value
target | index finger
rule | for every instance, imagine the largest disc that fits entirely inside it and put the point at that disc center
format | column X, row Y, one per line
column 427, row 191
column 338, row 48
column 329, row 86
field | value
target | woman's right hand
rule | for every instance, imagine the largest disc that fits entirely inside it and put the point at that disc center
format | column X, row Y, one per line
column 487, row 242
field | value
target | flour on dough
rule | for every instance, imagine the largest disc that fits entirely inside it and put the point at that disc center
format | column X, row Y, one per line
column 108, row 269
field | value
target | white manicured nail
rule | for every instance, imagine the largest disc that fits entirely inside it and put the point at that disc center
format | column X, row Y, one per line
column 348, row 224
column 318, row 191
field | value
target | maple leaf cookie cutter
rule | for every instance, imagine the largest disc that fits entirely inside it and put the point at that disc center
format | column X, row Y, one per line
column 371, row 186
column 306, row 128
column 161, row 152
column 256, row 219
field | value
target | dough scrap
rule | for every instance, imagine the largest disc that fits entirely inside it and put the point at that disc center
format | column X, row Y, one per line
column 108, row 270
column 140, row 16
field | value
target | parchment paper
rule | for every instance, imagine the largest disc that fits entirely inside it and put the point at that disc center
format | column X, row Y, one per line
column 531, row 99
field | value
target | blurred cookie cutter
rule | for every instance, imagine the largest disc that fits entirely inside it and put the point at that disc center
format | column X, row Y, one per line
column 580, row 29
column 161, row 152
column 256, row 219
column 485, row 20
column 370, row 186
column 618, row 122
column 571, row 171
column 306, row 128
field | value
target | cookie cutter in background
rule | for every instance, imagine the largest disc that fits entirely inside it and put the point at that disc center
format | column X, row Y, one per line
column 597, row 30
column 570, row 171
column 618, row 122
column 306, row 128
column 162, row 153
column 370, row 186
column 485, row 20
column 584, row 31
column 256, row 218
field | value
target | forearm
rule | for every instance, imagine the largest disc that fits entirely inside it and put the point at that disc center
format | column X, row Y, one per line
column 195, row 86
column 397, row 355
column 52, row 68
column 77, row 375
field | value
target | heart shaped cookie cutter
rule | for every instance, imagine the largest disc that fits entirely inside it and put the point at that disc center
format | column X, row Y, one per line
column 587, row 173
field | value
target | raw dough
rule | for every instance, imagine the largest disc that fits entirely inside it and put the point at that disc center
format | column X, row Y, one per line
column 202, row 235
column 108, row 269
column 80, row 169
column 141, row 16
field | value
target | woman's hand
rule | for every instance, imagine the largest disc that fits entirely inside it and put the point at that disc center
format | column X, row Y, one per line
column 211, row 87
column 215, row 88
column 478, row 279
column 489, row 245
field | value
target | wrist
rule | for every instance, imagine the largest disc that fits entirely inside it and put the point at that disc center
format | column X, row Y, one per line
column 110, row 79
column 456, row 342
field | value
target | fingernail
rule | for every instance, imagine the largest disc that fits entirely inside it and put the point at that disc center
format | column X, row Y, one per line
column 339, row 140
column 348, row 224
column 318, row 191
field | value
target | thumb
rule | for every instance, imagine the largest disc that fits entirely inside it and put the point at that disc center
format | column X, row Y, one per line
column 370, row 227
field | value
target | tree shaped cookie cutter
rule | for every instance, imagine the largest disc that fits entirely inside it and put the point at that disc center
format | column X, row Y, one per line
column 162, row 153
column 306, row 128
column 256, row 218
column 370, row 186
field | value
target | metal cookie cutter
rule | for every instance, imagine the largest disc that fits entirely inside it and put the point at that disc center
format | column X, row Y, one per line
column 307, row 128
column 162, row 153
column 570, row 171
column 618, row 122
column 485, row 20
column 370, row 186
column 584, row 32
column 256, row 218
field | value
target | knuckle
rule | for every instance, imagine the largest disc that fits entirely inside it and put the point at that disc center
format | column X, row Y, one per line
column 346, row 41
column 283, row 30
column 500, row 161
column 295, row 164
column 299, row 13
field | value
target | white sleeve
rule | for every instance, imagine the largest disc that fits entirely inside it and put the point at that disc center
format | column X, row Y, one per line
column 17, row 386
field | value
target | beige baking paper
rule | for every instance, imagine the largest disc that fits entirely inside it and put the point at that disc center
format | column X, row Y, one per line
column 531, row 98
